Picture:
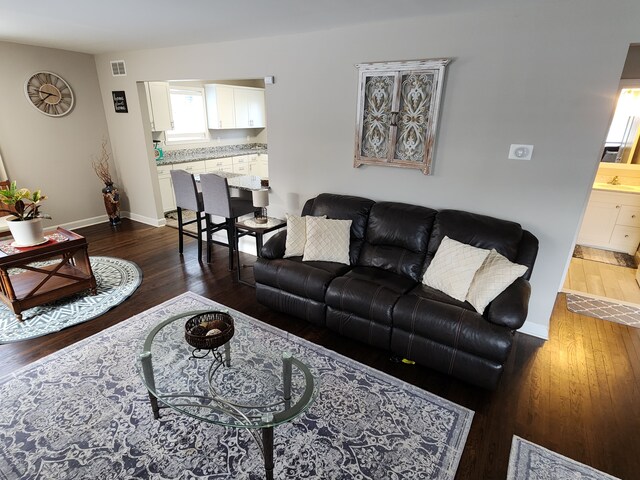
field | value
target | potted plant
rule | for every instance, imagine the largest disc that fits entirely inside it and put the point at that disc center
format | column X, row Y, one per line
column 26, row 223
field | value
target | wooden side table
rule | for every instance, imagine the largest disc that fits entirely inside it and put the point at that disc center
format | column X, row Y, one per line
column 256, row 230
column 68, row 271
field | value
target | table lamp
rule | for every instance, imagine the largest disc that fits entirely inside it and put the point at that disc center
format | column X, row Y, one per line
column 261, row 201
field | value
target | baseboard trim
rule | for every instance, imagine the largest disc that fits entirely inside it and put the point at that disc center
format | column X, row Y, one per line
column 85, row 222
column 154, row 222
column 535, row 330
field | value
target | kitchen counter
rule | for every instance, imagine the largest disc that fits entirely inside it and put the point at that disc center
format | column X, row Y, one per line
column 239, row 181
column 172, row 157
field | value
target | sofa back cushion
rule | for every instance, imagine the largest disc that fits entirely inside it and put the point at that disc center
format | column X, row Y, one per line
column 344, row 207
column 397, row 237
column 477, row 230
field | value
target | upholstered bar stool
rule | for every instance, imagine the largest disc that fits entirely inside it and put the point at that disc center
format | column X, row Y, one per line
column 218, row 202
column 188, row 198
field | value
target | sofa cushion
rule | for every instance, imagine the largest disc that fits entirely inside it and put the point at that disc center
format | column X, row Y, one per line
column 429, row 293
column 477, row 230
column 305, row 279
column 363, row 297
column 344, row 207
column 392, row 281
column 456, row 327
column 397, row 237
column 491, row 279
column 453, row 268
column 327, row 240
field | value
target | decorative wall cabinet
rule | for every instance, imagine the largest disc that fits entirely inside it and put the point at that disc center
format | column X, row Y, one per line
column 398, row 106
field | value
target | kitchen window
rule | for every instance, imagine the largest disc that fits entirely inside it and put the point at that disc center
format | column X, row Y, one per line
column 189, row 115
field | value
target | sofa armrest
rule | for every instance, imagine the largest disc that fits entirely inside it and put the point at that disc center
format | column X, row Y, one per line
column 510, row 308
column 275, row 246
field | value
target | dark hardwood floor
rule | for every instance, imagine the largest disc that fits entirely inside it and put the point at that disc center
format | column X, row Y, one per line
column 576, row 394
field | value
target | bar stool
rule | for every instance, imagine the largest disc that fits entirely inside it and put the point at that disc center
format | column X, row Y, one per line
column 188, row 197
column 217, row 201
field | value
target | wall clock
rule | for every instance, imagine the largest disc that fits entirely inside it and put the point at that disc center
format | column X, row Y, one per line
column 49, row 93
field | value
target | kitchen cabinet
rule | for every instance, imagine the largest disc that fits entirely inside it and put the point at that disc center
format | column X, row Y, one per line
column 159, row 103
column 234, row 107
column 166, row 188
column 220, row 165
column 611, row 222
column 241, row 164
column 259, row 165
column 221, row 112
column 249, row 107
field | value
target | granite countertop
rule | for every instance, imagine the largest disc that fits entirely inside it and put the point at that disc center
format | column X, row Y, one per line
column 172, row 157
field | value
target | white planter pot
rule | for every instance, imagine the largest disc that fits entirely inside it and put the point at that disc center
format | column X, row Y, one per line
column 26, row 232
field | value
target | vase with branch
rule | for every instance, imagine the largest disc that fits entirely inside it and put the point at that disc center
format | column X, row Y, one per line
column 110, row 193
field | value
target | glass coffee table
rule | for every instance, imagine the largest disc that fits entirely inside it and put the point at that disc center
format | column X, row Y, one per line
column 236, row 385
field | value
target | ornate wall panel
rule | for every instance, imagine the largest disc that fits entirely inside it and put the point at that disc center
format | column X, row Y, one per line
column 398, row 107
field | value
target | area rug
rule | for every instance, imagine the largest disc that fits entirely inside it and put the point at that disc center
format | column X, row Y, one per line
column 611, row 311
column 605, row 256
column 83, row 412
column 529, row 461
column 116, row 280
column 187, row 215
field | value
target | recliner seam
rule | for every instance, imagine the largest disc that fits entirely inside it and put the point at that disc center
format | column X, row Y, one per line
column 455, row 343
column 412, row 335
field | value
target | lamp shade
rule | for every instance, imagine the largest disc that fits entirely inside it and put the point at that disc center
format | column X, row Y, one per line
column 260, row 198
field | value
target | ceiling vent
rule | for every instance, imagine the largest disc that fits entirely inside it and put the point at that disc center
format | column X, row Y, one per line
column 118, row 69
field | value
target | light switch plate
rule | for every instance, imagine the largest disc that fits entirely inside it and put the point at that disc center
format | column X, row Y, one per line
column 520, row 152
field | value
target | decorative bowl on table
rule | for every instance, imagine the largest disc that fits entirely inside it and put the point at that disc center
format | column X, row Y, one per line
column 209, row 330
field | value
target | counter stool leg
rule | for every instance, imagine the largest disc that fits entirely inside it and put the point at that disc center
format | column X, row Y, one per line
column 267, row 445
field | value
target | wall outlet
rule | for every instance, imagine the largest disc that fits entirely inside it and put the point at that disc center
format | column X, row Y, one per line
column 520, row 152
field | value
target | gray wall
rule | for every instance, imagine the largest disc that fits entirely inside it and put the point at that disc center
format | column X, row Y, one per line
column 543, row 74
column 53, row 154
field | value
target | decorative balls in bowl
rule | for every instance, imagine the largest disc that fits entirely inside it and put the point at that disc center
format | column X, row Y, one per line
column 209, row 330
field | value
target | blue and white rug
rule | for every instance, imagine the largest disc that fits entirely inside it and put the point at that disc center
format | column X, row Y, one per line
column 116, row 280
column 83, row 413
column 604, row 310
column 529, row 461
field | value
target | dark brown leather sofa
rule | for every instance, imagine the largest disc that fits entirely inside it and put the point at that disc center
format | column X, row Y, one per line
column 379, row 298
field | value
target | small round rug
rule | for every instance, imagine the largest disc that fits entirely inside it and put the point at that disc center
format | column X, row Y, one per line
column 116, row 280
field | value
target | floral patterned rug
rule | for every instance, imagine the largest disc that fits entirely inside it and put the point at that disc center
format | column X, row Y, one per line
column 83, row 412
column 529, row 461
column 116, row 281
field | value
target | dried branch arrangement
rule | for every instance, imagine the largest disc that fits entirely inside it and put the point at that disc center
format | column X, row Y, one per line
column 101, row 164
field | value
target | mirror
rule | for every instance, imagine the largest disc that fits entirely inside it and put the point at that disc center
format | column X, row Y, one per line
column 621, row 145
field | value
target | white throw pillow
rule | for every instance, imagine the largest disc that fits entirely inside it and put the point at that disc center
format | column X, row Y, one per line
column 493, row 277
column 327, row 240
column 296, row 235
column 452, row 269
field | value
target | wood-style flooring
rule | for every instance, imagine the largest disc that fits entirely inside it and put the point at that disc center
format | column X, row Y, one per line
column 602, row 280
column 576, row 394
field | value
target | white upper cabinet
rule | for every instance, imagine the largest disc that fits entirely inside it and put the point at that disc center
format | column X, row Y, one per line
column 235, row 107
column 249, row 106
column 159, row 103
column 220, row 106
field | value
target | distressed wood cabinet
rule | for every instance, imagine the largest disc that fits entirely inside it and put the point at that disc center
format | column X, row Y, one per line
column 398, row 106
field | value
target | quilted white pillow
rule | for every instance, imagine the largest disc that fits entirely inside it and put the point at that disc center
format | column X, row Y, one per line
column 327, row 240
column 493, row 277
column 452, row 269
column 296, row 235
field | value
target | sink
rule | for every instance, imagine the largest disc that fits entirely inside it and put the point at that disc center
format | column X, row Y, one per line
column 616, row 188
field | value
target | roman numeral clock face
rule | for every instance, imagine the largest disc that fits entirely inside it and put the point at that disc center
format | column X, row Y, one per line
column 49, row 93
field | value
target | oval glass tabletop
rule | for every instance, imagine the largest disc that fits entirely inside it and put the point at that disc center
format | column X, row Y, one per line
column 240, row 384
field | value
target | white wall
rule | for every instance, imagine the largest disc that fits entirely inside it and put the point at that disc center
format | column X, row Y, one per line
column 53, row 154
column 542, row 74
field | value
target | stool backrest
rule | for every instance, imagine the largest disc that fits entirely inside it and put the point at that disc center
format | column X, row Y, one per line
column 215, row 195
column 185, row 190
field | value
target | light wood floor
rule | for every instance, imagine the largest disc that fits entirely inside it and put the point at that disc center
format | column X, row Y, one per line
column 602, row 280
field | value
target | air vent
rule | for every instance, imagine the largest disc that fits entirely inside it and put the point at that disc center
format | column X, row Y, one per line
column 117, row 68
